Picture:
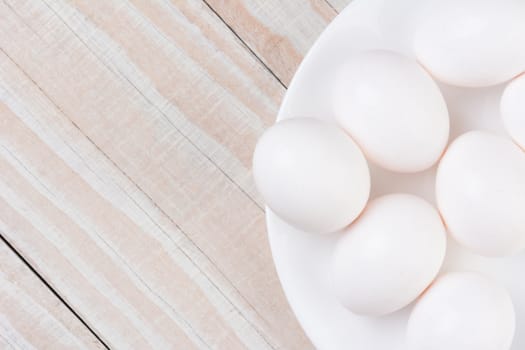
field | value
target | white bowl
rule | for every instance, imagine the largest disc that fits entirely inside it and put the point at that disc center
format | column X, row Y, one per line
column 302, row 259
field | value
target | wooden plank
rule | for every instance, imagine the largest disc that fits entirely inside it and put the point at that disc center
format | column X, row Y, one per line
column 31, row 316
column 134, row 191
column 339, row 5
column 53, row 241
column 279, row 32
column 232, row 99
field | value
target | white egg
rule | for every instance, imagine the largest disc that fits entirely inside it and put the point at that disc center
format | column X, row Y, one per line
column 389, row 255
column 472, row 43
column 311, row 174
column 462, row 311
column 480, row 191
column 513, row 110
column 393, row 110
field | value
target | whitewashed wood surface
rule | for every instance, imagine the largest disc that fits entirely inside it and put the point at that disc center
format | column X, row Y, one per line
column 128, row 215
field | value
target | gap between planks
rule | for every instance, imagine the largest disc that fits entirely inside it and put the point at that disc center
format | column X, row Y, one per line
column 245, row 44
column 53, row 291
column 46, row 285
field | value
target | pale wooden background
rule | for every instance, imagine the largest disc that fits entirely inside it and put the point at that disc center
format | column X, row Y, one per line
column 128, row 215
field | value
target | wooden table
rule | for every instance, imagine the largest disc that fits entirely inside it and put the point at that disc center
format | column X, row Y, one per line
column 128, row 216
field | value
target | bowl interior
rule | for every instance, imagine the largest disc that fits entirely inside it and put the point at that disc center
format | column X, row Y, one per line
column 302, row 259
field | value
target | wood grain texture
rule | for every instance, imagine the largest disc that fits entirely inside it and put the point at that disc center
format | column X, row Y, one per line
column 125, row 150
column 278, row 32
column 31, row 317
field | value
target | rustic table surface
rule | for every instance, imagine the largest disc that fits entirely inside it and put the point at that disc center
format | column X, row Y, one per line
column 128, row 216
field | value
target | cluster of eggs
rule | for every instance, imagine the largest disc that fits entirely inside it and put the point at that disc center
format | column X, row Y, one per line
column 390, row 111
